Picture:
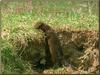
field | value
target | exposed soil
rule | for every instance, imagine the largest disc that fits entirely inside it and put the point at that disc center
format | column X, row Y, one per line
column 80, row 48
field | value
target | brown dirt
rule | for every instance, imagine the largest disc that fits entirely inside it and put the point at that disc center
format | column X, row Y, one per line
column 80, row 49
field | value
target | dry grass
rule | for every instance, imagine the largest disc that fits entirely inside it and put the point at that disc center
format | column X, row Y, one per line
column 76, row 25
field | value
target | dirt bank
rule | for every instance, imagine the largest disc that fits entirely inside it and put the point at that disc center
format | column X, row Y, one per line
column 80, row 48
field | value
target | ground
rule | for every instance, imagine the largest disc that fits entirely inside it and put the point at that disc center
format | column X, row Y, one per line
column 76, row 23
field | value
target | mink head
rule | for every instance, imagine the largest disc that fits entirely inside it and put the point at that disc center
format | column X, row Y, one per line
column 40, row 25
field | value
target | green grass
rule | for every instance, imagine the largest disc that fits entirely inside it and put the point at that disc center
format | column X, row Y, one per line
column 57, row 13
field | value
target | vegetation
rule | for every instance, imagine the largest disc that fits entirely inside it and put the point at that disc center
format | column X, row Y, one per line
column 19, row 16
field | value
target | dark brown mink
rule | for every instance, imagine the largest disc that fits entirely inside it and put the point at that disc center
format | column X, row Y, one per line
column 53, row 49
